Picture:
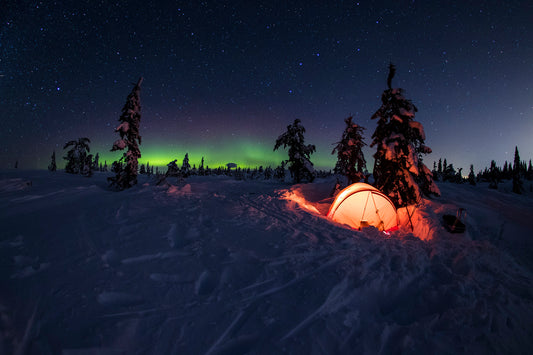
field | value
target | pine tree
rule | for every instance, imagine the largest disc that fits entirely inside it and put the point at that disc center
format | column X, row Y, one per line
column 105, row 166
column 300, row 165
column 76, row 155
column 148, row 172
column 517, row 179
column 398, row 168
column 350, row 158
column 129, row 138
column 186, row 167
column 471, row 175
column 142, row 169
column 53, row 166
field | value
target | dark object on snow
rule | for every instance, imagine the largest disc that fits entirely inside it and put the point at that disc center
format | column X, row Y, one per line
column 454, row 224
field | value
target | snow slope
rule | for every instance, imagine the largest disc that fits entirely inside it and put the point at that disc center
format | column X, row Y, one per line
column 218, row 266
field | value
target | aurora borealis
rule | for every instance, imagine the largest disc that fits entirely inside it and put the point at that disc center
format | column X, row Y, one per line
column 223, row 79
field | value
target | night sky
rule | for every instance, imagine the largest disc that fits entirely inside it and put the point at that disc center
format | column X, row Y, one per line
column 223, row 79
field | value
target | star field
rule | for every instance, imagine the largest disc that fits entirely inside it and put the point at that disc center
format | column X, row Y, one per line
column 223, row 79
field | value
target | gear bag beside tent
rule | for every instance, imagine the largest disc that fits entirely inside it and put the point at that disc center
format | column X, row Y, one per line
column 361, row 205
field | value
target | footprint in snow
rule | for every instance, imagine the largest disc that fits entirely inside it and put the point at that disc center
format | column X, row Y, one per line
column 111, row 298
column 171, row 278
column 16, row 242
column 30, row 270
column 205, row 284
column 178, row 238
column 110, row 258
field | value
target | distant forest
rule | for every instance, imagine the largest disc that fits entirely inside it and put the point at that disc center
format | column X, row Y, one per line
column 398, row 169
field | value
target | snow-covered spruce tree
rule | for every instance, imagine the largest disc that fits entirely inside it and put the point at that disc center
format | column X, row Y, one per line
column 300, row 165
column 76, row 155
column 493, row 175
column 96, row 162
column 53, row 166
column 279, row 172
column 269, row 172
column 88, row 166
column 350, row 158
column 129, row 138
column 517, row 178
column 472, row 175
column 186, row 167
column 148, row 171
column 201, row 169
column 172, row 168
column 398, row 168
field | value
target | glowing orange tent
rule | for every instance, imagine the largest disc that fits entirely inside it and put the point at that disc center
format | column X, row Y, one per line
column 361, row 205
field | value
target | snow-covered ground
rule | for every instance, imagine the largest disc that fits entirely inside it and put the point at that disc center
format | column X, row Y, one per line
column 218, row 266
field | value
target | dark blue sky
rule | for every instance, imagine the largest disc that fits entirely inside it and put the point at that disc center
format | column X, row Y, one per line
column 224, row 79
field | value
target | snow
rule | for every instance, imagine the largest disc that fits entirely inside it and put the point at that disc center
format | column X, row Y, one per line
column 213, row 265
column 119, row 144
column 417, row 126
column 124, row 128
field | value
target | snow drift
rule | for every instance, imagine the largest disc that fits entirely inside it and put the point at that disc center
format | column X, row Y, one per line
column 219, row 266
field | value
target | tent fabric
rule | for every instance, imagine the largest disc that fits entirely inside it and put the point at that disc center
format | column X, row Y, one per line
column 361, row 205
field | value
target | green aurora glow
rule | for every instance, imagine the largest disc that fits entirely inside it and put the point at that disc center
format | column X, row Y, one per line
column 245, row 153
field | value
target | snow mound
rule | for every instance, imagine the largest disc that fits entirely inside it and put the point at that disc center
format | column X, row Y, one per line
column 421, row 220
column 177, row 191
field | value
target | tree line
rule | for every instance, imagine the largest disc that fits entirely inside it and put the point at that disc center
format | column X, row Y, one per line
column 518, row 171
column 399, row 170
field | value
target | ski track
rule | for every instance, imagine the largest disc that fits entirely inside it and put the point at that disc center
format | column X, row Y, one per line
column 286, row 281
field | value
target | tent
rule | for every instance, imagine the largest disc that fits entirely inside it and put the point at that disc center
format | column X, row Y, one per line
column 361, row 205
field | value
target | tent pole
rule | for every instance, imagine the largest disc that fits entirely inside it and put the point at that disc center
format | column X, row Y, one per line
column 409, row 216
column 377, row 212
column 416, row 206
